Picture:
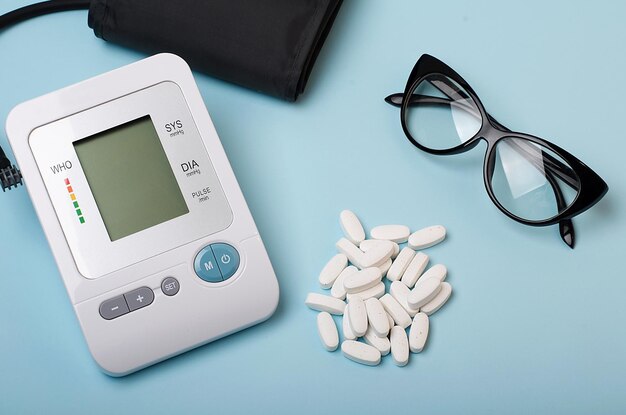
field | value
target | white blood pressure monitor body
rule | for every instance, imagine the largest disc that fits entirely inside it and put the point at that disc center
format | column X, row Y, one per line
column 151, row 233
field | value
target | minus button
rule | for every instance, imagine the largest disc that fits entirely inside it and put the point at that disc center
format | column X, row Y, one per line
column 113, row 308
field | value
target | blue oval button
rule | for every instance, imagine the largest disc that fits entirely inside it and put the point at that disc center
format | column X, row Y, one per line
column 227, row 259
column 206, row 266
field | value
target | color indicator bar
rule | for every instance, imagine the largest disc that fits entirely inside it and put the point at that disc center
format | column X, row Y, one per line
column 70, row 191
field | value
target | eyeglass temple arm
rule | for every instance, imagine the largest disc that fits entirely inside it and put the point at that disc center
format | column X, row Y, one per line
column 566, row 226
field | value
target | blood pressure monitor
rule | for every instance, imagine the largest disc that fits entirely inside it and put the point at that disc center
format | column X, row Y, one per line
column 151, row 233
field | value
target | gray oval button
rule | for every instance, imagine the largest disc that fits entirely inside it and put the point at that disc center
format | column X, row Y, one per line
column 113, row 308
column 139, row 298
column 170, row 286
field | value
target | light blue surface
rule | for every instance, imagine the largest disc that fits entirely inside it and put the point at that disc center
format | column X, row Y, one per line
column 532, row 327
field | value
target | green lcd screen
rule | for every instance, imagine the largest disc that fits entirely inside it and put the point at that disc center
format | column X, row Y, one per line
column 130, row 178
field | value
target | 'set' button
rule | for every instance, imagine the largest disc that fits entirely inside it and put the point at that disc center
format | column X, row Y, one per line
column 170, row 286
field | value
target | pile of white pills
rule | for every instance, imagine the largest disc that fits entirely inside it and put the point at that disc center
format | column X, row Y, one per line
column 355, row 275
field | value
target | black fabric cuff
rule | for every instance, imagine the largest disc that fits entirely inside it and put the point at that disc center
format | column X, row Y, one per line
column 269, row 46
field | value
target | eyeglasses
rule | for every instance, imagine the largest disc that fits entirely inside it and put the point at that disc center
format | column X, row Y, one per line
column 529, row 179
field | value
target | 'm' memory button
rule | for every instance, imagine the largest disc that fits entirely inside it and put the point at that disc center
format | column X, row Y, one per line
column 206, row 266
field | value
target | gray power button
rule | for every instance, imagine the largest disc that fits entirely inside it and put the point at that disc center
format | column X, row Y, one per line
column 170, row 286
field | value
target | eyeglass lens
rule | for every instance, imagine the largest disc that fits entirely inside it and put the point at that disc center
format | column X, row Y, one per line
column 441, row 115
column 530, row 181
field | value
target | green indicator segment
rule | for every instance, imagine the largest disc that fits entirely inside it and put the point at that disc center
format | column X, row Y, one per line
column 78, row 212
column 81, row 219
column 76, row 205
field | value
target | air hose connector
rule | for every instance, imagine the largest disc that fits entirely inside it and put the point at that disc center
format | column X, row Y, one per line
column 10, row 177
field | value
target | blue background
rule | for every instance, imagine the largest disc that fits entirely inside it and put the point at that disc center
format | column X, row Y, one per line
column 533, row 327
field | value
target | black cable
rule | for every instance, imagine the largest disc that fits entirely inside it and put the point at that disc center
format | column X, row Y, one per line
column 40, row 9
column 10, row 175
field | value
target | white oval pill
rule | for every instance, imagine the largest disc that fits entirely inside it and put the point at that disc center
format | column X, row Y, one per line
column 427, row 237
column 399, row 346
column 361, row 352
column 415, row 269
column 396, row 251
column 384, row 268
column 358, row 316
column 377, row 317
column 378, row 255
column 394, row 233
column 400, row 264
column 348, row 334
column 368, row 244
column 381, row 343
column 376, row 291
column 362, row 280
column 439, row 300
column 322, row 302
column 436, row 271
column 354, row 254
column 332, row 269
column 351, row 226
column 328, row 331
column 338, row 290
column 391, row 322
column 418, row 332
column 401, row 292
column 396, row 311
column 424, row 291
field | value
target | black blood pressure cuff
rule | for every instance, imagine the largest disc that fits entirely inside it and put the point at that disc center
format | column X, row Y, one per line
column 267, row 45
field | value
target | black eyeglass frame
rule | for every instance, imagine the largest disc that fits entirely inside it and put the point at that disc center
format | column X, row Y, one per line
column 591, row 187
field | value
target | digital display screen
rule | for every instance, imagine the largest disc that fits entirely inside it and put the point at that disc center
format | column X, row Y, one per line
column 130, row 178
